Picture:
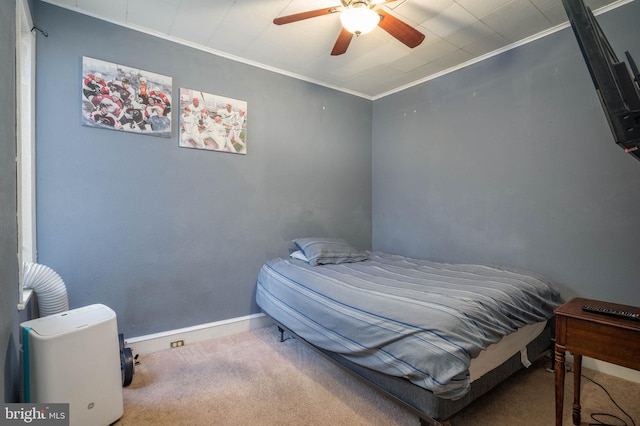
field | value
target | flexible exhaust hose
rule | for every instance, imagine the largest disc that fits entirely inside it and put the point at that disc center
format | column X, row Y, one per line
column 48, row 286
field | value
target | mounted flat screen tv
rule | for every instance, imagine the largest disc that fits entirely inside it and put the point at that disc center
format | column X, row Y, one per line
column 617, row 87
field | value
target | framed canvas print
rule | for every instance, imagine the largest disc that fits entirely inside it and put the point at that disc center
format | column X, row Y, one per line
column 126, row 99
column 212, row 122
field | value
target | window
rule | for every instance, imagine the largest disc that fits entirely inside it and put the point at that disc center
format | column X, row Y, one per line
column 25, row 126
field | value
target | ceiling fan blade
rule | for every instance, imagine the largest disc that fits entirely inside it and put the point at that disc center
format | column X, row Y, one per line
column 400, row 30
column 306, row 15
column 342, row 43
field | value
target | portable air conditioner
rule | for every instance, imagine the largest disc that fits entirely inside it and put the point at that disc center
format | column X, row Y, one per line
column 74, row 357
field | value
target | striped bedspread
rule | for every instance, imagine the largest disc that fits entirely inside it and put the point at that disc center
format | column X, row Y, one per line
column 405, row 317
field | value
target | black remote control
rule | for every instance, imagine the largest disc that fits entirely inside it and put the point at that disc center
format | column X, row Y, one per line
column 620, row 314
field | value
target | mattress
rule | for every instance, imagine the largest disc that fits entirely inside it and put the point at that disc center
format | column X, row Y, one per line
column 429, row 407
column 499, row 352
column 412, row 318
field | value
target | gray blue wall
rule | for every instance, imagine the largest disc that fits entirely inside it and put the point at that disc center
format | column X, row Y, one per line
column 172, row 237
column 510, row 161
column 9, row 339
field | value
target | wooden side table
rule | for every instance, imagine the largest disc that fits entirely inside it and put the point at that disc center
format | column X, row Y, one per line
column 604, row 337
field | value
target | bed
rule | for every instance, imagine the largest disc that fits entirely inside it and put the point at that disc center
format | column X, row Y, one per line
column 434, row 336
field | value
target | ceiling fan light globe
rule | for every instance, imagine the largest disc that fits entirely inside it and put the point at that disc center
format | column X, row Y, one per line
column 359, row 20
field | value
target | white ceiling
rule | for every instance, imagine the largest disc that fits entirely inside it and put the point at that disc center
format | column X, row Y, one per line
column 458, row 32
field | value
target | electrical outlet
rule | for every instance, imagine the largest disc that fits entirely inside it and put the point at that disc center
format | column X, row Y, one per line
column 177, row 343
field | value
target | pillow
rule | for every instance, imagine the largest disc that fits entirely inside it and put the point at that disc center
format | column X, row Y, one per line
column 322, row 251
column 299, row 255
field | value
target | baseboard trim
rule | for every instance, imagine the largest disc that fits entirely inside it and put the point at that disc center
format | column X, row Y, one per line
column 159, row 341
column 608, row 368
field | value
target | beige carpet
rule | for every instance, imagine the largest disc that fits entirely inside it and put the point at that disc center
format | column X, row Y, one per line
column 253, row 379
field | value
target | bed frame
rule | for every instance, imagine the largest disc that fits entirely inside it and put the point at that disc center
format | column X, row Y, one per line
column 431, row 409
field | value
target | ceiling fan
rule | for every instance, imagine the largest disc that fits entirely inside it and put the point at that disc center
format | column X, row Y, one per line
column 359, row 17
